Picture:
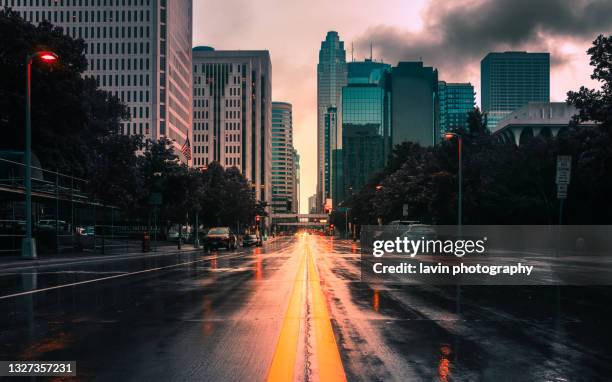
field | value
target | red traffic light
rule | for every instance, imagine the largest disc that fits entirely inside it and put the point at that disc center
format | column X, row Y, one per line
column 257, row 218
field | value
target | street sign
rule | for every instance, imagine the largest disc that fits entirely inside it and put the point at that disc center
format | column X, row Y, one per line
column 405, row 210
column 564, row 169
column 562, row 191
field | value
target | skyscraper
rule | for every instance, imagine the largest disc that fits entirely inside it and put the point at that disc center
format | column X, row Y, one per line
column 456, row 101
column 139, row 51
column 365, row 127
column 283, row 157
column 232, row 113
column 414, row 104
column 331, row 77
column 510, row 80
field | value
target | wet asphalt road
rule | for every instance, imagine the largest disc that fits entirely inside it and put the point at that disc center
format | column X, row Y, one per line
column 232, row 315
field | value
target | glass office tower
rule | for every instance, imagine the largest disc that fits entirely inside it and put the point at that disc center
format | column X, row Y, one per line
column 331, row 77
column 365, row 127
column 456, row 101
column 510, row 80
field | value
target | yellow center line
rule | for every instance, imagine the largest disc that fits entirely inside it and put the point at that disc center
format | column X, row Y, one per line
column 283, row 362
column 326, row 349
column 328, row 356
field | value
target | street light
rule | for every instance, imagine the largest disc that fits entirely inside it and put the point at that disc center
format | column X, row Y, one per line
column 449, row 136
column 28, row 247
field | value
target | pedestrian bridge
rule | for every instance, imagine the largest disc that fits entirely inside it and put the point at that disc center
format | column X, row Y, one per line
column 300, row 220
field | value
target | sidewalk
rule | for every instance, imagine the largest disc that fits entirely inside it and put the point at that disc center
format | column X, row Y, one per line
column 15, row 262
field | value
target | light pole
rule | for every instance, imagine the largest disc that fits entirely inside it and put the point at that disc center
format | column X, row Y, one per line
column 449, row 136
column 28, row 247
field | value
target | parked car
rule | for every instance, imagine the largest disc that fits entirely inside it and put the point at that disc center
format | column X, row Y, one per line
column 220, row 237
column 251, row 240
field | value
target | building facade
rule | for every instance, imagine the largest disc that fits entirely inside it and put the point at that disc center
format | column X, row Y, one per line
column 456, row 101
column 415, row 104
column 283, row 160
column 511, row 80
column 331, row 77
column 365, row 128
column 312, row 204
column 232, row 113
column 544, row 119
column 140, row 51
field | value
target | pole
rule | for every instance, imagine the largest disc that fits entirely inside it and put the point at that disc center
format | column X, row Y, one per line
column 346, row 222
column 196, row 240
column 459, row 196
column 28, row 249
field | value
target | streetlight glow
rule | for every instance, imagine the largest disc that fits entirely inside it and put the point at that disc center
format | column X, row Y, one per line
column 449, row 136
column 47, row 56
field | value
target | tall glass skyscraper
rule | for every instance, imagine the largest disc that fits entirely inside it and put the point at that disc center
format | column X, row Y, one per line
column 456, row 101
column 365, row 127
column 331, row 77
column 510, row 80
column 415, row 104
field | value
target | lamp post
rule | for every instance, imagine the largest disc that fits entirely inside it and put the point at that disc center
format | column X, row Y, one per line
column 448, row 136
column 28, row 247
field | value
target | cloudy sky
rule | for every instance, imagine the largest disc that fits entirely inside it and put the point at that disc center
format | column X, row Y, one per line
column 450, row 35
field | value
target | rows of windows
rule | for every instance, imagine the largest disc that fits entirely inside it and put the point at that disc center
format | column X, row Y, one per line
column 199, row 126
column 75, row 3
column 119, row 64
column 200, row 149
column 81, row 16
column 133, row 128
column 119, row 48
column 123, row 80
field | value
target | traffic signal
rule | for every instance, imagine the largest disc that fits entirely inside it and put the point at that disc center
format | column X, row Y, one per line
column 257, row 218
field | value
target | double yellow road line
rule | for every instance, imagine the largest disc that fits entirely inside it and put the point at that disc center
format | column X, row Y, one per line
column 326, row 349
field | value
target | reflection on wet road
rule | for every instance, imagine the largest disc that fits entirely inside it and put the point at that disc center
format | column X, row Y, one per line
column 295, row 309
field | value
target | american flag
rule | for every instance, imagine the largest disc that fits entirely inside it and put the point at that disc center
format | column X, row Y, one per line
column 186, row 149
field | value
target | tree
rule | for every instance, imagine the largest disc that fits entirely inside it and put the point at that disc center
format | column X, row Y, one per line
column 591, row 148
column 115, row 173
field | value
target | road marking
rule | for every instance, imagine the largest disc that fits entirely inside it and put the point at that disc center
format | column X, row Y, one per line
column 109, row 277
column 328, row 356
column 326, row 349
column 283, row 361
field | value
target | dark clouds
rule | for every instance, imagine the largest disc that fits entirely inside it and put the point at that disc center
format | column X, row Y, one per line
column 457, row 34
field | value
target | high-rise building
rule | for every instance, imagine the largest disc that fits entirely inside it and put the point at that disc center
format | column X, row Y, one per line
column 365, row 127
column 510, row 80
column 139, row 51
column 283, row 156
column 232, row 113
column 414, row 104
column 312, row 204
column 331, row 77
column 456, row 101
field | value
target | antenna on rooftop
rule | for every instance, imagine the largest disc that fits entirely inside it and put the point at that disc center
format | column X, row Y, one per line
column 370, row 51
column 352, row 52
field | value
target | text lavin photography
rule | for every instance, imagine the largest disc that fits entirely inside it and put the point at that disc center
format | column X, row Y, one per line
column 306, row 191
